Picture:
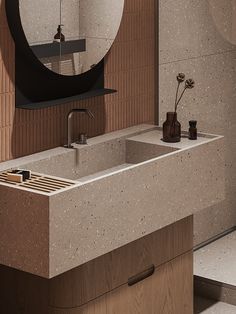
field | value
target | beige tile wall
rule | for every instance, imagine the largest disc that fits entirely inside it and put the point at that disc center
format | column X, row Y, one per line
column 99, row 23
column 40, row 30
column 197, row 37
column 130, row 68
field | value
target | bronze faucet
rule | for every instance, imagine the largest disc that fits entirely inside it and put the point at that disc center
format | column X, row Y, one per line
column 69, row 128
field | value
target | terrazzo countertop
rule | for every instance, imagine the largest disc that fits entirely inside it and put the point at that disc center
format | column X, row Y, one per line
column 127, row 184
column 154, row 137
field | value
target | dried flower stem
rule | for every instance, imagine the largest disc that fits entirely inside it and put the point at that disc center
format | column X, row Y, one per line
column 176, row 96
column 182, row 94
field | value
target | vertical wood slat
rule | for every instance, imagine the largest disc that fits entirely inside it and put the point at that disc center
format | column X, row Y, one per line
column 129, row 68
column 7, row 89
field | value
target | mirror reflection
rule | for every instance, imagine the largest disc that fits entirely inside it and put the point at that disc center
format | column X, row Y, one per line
column 70, row 36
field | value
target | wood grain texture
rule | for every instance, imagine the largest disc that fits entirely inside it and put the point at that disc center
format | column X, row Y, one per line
column 22, row 293
column 112, row 270
column 129, row 68
column 168, row 291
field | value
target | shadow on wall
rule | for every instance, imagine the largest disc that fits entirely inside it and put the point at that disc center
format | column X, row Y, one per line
column 43, row 129
column 207, row 294
column 202, row 304
column 38, row 130
column 224, row 16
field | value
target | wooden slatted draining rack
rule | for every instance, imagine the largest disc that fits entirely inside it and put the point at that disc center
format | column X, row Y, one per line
column 39, row 182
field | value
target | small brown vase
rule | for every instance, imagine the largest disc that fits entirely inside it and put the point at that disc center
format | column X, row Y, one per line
column 171, row 128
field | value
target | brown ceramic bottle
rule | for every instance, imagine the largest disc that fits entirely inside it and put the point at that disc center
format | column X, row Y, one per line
column 171, row 128
column 193, row 130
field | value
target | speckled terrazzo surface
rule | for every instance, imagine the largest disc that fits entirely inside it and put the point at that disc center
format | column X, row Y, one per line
column 217, row 261
column 205, row 306
column 37, row 161
column 153, row 137
column 113, row 208
column 96, row 21
column 198, row 37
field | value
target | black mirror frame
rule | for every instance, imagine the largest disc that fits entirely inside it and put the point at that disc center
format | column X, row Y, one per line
column 35, row 84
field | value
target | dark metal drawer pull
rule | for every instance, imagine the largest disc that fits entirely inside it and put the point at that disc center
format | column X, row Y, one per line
column 141, row 276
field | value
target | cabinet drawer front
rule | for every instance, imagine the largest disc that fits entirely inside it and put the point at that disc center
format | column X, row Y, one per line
column 168, row 291
column 112, row 270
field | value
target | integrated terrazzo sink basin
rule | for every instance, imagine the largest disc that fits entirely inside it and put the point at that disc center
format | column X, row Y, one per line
column 86, row 162
column 118, row 188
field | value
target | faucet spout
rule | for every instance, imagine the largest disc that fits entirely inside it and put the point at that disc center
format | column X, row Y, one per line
column 69, row 123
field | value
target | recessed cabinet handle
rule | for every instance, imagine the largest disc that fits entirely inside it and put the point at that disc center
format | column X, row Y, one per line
column 141, row 276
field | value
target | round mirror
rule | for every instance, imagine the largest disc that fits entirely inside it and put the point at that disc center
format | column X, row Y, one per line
column 70, row 36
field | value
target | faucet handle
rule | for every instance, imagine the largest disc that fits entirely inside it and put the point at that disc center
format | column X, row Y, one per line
column 82, row 139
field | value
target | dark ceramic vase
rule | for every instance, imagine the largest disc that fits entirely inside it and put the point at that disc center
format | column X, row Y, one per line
column 171, row 128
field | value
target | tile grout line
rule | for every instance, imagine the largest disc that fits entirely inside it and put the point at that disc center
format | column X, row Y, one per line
column 213, row 239
column 198, row 57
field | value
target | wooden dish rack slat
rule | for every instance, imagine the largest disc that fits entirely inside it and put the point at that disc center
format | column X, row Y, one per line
column 39, row 183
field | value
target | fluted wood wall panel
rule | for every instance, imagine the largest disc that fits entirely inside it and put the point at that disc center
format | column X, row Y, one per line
column 129, row 68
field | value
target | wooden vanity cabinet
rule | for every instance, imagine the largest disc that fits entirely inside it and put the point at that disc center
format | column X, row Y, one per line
column 167, row 291
column 163, row 260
